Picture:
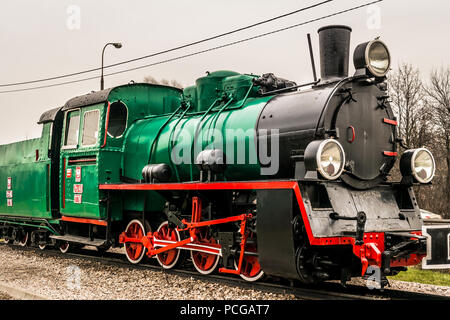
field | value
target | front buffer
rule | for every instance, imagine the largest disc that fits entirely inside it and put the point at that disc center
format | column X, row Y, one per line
column 323, row 231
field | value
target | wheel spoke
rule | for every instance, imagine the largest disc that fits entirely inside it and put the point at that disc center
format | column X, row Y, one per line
column 168, row 259
column 251, row 269
column 205, row 263
column 134, row 251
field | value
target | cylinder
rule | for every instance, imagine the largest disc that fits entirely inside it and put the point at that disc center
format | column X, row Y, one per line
column 160, row 172
column 334, row 42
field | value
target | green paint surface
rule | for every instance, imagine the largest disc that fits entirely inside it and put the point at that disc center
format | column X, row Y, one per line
column 154, row 133
column 27, row 165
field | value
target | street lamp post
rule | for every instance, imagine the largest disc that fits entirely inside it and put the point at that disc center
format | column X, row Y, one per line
column 117, row 45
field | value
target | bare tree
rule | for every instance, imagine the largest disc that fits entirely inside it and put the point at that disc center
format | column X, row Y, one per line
column 423, row 120
column 165, row 82
column 151, row 80
column 438, row 92
column 176, row 84
column 406, row 91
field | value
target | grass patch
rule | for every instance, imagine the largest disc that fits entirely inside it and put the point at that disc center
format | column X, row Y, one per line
column 415, row 274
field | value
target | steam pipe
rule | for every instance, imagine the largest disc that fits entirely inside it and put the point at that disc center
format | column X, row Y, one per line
column 311, row 54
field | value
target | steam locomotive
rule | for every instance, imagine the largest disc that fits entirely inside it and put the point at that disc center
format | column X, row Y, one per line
column 244, row 174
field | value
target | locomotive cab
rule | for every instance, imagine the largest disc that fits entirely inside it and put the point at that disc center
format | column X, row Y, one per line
column 94, row 132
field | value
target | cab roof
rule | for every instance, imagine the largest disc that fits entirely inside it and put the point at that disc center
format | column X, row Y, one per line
column 49, row 115
column 102, row 95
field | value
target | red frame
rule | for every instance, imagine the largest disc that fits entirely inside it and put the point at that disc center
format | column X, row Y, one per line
column 254, row 185
column 369, row 252
column 84, row 220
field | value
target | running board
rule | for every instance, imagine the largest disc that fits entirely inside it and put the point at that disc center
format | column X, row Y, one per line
column 82, row 240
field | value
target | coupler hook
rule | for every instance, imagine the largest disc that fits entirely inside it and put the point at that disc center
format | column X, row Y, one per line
column 360, row 218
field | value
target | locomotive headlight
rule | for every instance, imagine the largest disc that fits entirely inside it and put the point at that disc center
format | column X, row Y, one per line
column 374, row 56
column 419, row 163
column 325, row 156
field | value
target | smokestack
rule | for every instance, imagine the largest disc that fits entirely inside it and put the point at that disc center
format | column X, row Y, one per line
column 334, row 42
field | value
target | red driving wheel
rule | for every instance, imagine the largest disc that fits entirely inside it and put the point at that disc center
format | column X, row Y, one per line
column 251, row 269
column 135, row 251
column 205, row 262
column 168, row 259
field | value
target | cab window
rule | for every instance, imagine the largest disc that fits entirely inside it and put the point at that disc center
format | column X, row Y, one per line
column 72, row 128
column 90, row 128
column 117, row 122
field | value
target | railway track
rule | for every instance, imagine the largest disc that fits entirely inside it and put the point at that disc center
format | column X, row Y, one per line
column 324, row 291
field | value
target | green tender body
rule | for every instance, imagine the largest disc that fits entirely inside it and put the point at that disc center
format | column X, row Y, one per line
column 30, row 177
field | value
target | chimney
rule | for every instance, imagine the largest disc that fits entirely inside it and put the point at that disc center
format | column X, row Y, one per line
column 334, row 42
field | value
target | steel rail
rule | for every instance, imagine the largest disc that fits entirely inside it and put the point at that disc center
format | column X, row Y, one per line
column 324, row 291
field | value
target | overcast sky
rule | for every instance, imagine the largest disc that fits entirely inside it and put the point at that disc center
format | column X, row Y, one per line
column 44, row 38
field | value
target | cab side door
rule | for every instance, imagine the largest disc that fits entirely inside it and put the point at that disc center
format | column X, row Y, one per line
column 79, row 163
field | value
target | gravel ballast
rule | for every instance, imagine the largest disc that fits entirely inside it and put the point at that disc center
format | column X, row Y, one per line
column 65, row 277
column 4, row 296
column 410, row 286
column 72, row 278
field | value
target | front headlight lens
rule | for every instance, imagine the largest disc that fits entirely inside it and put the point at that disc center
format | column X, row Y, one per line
column 418, row 163
column 331, row 160
column 373, row 56
column 327, row 157
column 423, row 165
column 378, row 58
